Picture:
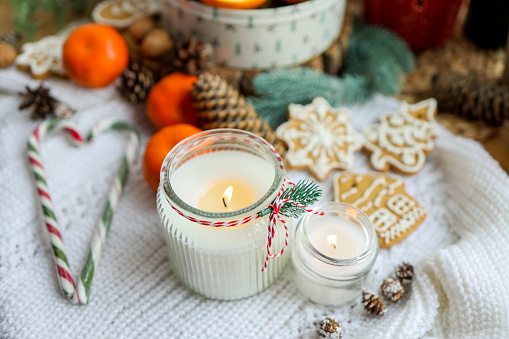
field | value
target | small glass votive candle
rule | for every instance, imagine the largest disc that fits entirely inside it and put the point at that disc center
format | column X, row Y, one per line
column 332, row 254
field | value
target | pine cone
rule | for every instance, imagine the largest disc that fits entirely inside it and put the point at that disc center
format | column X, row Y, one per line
column 219, row 105
column 329, row 328
column 471, row 98
column 136, row 81
column 11, row 37
column 392, row 290
column 193, row 56
column 373, row 303
column 405, row 273
column 42, row 105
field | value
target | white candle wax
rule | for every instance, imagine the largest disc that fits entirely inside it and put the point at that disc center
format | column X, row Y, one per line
column 331, row 275
column 194, row 181
column 337, row 237
column 226, row 262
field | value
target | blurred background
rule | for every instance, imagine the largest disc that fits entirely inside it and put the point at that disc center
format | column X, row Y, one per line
column 467, row 38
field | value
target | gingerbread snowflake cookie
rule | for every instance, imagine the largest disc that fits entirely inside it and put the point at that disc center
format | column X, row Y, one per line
column 320, row 138
column 393, row 212
column 402, row 139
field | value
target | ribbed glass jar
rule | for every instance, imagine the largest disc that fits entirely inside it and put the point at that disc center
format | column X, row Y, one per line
column 326, row 280
column 220, row 262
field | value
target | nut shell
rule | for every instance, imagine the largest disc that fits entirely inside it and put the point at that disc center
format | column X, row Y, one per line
column 7, row 55
column 141, row 28
column 156, row 43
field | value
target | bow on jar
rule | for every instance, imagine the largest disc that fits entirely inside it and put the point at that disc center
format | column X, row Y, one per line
column 291, row 202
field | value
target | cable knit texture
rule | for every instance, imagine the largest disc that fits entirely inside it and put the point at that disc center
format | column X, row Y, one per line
column 460, row 253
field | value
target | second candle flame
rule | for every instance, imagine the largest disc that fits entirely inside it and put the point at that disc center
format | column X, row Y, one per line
column 332, row 240
column 227, row 196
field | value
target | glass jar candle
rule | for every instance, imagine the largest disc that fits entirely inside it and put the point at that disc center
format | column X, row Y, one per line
column 221, row 177
column 333, row 254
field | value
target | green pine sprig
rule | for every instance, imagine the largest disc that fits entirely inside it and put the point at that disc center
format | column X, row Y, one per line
column 305, row 192
column 376, row 61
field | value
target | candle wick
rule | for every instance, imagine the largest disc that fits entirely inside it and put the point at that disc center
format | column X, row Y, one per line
column 334, row 246
column 224, row 202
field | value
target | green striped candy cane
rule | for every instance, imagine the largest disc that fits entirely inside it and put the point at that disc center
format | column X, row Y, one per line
column 79, row 293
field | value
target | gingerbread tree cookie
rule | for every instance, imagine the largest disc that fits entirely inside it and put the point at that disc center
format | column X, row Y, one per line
column 320, row 138
column 43, row 58
column 393, row 212
column 402, row 139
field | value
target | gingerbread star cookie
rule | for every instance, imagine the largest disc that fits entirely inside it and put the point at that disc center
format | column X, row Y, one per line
column 402, row 139
column 122, row 13
column 393, row 212
column 320, row 138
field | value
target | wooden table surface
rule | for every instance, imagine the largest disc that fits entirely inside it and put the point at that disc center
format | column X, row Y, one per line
column 497, row 145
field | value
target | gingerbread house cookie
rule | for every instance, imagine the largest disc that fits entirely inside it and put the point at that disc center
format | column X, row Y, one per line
column 393, row 212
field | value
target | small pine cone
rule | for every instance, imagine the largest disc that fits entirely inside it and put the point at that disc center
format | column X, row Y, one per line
column 405, row 273
column 136, row 81
column 219, row 105
column 193, row 56
column 11, row 37
column 329, row 328
column 39, row 101
column 373, row 303
column 392, row 290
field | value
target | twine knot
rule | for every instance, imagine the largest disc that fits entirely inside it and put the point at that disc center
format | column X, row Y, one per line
column 276, row 216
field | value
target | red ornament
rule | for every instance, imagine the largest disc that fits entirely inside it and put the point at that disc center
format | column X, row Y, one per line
column 423, row 24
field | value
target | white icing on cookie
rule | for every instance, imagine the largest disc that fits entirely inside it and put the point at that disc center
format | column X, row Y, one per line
column 390, row 211
column 320, row 138
column 45, row 55
column 382, row 219
column 352, row 191
column 407, row 221
column 402, row 140
column 400, row 204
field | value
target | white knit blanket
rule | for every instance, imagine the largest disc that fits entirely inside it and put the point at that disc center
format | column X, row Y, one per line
column 461, row 251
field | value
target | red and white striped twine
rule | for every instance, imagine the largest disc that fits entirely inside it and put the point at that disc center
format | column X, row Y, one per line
column 275, row 206
column 275, row 216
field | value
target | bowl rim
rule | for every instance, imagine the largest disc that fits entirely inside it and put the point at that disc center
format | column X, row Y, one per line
column 261, row 15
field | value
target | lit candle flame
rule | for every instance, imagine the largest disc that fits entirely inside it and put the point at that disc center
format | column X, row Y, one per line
column 227, row 196
column 332, row 240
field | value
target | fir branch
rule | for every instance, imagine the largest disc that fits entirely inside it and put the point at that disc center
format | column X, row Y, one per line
column 376, row 62
column 305, row 192
column 298, row 85
column 25, row 10
column 387, row 41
